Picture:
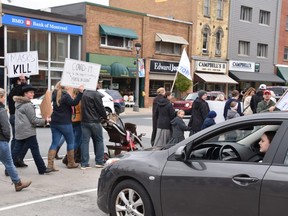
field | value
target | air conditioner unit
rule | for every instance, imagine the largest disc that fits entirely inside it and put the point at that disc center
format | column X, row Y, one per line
column 130, row 44
column 218, row 52
column 204, row 51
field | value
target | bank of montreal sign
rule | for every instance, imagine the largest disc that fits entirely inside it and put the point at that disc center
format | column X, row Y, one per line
column 45, row 25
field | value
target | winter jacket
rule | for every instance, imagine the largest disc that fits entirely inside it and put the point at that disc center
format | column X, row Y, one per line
column 15, row 91
column 5, row 133
column 62, row 114
column 92, row 109
column 200, row 110
column 178, row 128
column 263, row 106
column 25, row 118
column 255, row 100
column 208, row 122
column 232, row 114
column 246, row 106
column 227, row 107
column 164, row 113
column 154, row 108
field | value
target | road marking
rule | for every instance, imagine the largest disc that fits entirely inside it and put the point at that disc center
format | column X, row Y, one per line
column 47, row 199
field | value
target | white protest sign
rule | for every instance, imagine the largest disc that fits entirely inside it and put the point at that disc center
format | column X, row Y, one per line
column 25, row 63
column 78, row 73
column 282, row 103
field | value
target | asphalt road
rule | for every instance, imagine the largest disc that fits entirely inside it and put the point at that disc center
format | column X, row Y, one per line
column 67, row 192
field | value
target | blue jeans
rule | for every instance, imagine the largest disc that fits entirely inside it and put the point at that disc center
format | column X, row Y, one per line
column 6, row 159
column 58, row 131
column 12, row 123
column 77, row 135
column 32, row 144
column 94, row 131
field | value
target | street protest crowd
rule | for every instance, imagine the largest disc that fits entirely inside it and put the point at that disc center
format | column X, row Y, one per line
column 76, row 117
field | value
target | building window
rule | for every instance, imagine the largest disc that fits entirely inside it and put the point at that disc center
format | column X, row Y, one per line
column 16, row 39
column 206, row 8
column 286, row 53
column 262, row 50
column 264, row 17
column 205, row 39
column 114, row 41
column 168, row 48
column 244, row 48
column 246, row 14
column 219, row 35
column 59, row 47
column 74, row 47
column 39, row 42
column 220, row 9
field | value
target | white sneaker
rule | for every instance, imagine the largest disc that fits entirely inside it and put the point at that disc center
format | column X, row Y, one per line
column 99, row 166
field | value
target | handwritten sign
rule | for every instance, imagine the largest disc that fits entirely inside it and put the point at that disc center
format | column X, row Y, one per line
column 78, row 73
column 22, row 63
column 282, row 103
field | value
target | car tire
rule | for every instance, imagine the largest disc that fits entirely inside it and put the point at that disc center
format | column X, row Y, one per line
column 121, row 205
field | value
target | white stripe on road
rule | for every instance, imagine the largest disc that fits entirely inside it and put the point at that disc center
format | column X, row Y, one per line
column 47, row 199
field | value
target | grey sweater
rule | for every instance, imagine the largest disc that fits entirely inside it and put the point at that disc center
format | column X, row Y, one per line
column 25, row 118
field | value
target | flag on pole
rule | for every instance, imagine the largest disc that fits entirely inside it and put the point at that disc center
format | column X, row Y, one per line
column 184, row 65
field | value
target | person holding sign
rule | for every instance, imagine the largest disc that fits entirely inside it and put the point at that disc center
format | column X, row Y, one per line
column 61, row 124
column 25, row 128
column 266, row 105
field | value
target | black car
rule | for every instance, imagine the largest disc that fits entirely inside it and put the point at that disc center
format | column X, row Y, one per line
column 217, row 171
column 119, row 103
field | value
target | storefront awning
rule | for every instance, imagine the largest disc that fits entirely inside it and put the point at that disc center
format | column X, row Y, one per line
column 170, row 39
column 119, row 70
column 216, row 78
column 116, row 31
column 282, row 72
column 255, row 77
column 163, row 77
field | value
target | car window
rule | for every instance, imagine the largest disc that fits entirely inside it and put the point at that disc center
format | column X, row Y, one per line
column 115, row 94
column 191, row 96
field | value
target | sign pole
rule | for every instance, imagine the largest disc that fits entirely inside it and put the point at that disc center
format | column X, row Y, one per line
column 174, row 81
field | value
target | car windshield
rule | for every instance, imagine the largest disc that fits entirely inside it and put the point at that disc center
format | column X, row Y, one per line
column 191, row 96
column 114, row 94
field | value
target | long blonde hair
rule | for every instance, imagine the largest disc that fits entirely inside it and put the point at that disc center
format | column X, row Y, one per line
column 59, row 89
column 249, row 91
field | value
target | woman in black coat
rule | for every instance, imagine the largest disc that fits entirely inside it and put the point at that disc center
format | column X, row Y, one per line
column 200, row 110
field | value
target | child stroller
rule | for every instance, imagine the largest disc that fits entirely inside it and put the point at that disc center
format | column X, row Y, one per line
column 124, row 136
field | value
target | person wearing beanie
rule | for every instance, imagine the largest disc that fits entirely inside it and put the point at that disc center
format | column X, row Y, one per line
column 210, row 120
column 232, row 112
column 200, row 110
column 235, row 97
column 5, row 153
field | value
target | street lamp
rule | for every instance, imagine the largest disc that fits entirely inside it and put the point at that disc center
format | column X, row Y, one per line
column 136, row 105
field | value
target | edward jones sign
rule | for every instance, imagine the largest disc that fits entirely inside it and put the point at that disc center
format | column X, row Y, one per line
column 207, row 66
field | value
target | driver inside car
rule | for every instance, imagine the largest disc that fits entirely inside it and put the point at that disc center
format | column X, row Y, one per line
column 265, row 141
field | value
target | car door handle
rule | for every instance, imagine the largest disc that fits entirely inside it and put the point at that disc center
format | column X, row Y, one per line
column 244, row 180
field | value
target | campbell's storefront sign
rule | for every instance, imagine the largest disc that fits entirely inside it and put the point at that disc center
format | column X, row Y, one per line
column 207, row 66
column 241, row 66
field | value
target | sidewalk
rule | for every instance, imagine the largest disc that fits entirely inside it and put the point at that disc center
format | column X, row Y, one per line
column 142, row 111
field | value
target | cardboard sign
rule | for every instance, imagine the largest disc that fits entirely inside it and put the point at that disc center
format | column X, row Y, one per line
column 78, row 73
column 46, row 106
column 25, row 63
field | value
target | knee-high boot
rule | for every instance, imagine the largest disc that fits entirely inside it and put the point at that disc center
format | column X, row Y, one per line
column 51, row 156
column 71, row 163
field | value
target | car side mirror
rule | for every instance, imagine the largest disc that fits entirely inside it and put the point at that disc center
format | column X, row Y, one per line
column 180, row 154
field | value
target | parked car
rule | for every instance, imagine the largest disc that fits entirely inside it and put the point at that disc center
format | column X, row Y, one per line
column 278, row 90
column 106, row 98
column 119, row 103
column 186, row 102
column 217, row 171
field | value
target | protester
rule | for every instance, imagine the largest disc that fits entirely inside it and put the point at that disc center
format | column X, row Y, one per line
column 209, row 120
column 235, row 97
column 232, row 112
column 5, row 153
column 25, row 128
column 266, row 105
column 160, row 94
column 200, row 110
column 164, row 114
column 61, row 124
column 246, row 101
column 18, row 83
column 220, row 97
column 93, row 113
column 257, row 98
column 178, row 128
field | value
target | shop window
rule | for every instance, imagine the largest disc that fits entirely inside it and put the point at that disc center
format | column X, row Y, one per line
column 59, row 47
column 16, row 39
column 220, row 9
column 74, row 47
column 262, row 50
column 264, row 17
column 114, row 41
column 219, row 35
column 205, row 39
column 153, row 86
column 246, row 14
column 286, row 53
column 244, row 48
column 39, row 42
column 168, row 48
column 206, row 8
